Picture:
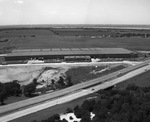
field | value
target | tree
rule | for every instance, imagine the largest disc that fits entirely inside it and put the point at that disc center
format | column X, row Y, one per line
column 145, row 89
column 61, row 81
column 13, row 88
column 135, row 119
column 88, row 105
column 35, row 81
column 146, row 108
column 16, row 88
column 69, row 82
column 53, row 118
column 3, row 95
column 53, row 84
column 132, row 87
column 85, row 119
column 85, row 116
column 69, row 110
column 56, row 116
column 33, row 121
column 147, row 119
column 53, row 81
column 77, row 111
column 64, row 120
column 29, row 89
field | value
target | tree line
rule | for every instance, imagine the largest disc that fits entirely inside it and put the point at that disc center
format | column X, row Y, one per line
column 129, row 105
column 15, row 89
column 9, row 89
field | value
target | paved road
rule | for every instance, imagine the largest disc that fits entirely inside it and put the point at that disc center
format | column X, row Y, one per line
column 73, row 64
column 73, row 96
column 37, row 100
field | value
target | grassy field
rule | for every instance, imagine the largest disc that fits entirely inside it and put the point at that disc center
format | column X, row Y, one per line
column 82, row 74
column 13, row 99
column 142, row 80
column 48, row 38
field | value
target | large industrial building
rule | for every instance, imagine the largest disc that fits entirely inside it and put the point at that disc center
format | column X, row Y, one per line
column 65, row 53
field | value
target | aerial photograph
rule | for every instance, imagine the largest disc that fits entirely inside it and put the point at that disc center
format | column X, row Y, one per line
column 74, row 60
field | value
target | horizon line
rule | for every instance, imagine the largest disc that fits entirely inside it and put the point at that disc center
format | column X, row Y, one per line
column 120, row 26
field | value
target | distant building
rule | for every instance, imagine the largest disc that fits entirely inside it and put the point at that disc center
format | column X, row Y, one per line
column 62, row 53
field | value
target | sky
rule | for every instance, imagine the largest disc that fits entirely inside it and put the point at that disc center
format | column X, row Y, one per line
column 16, row 12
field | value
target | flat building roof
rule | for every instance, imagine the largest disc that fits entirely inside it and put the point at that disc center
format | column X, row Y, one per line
column 68, row 51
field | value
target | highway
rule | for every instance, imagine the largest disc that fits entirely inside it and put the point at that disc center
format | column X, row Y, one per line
column 35, row 100
column 12, row 108
column 73, row 96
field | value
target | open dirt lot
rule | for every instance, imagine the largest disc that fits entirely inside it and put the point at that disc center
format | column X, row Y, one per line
column 26, row 74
